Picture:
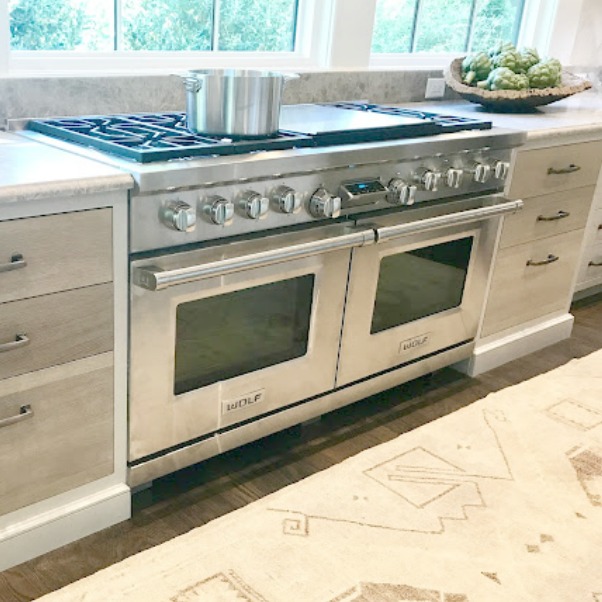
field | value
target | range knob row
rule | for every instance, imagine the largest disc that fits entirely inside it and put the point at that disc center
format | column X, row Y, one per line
column 180, row 216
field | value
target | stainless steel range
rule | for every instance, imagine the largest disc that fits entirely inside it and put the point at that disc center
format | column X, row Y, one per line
column 274, row 280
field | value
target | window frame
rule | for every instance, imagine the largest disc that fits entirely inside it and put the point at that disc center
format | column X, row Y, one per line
column 331, row 35
column 313, row 24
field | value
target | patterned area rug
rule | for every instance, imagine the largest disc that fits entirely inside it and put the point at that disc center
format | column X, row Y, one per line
column 499, row 501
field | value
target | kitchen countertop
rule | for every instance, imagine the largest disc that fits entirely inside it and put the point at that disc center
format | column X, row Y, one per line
column 32, row 171
column 574, row 119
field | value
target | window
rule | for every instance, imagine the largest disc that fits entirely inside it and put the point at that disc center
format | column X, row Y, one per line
column 153, row 25
column 438, row 26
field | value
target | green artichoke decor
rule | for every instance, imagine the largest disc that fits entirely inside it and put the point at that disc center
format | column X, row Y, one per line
column 503, row 67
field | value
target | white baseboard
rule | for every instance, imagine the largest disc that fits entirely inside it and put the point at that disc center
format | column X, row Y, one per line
column 50, row 530
column 495, row 353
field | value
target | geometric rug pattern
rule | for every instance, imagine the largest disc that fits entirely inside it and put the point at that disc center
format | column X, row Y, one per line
column 500, row 501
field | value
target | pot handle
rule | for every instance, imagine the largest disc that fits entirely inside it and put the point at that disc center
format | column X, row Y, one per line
column 193, row 84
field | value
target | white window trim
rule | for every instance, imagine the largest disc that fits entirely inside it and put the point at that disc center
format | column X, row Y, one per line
column 332, row 35
column 313, row 29
column 541, row 18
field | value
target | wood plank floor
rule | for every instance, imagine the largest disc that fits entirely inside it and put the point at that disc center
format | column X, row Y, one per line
column 192, row 497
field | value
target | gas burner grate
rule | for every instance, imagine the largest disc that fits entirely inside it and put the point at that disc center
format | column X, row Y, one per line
column 150, row 137
column 157, row 137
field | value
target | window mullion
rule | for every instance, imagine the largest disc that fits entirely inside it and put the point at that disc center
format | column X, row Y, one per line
column 4, row 37
column 415, row 25
column 216, row 19
column 117, row 25
column 471, row 19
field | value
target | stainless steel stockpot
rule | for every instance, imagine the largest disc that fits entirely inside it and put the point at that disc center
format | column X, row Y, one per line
column 234, row 102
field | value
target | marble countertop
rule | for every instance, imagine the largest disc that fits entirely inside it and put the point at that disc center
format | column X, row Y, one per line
column 574, row 119
column 32, row 171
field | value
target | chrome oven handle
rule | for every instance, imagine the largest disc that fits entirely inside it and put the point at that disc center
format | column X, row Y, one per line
column 453, row 219
column 154, row 279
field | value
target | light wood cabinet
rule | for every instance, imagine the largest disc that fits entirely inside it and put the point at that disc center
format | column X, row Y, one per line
column 531, row 280
column 56, row 316
column 65, row 438
column 54, row 253
column 539, row 248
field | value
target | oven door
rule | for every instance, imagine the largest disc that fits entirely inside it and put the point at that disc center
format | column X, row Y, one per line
column 223, row 334
column 421, row 288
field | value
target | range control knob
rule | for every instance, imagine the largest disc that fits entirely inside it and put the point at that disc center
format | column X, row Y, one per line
column 254, row 205
column 178, row 215
column 453, row 177
column 286, row 199
column 219, row 210
column 428, row 179
column 324, row 204
column 501, row 169
column 481, row 172
column 400, row 192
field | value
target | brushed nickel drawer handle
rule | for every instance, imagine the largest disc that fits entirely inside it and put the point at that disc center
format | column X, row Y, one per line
column 595, row 264
column 25, row 412
column 552, row 218
column 16, row 262
column 572, row 168
column 549, row 259
column 20, row 341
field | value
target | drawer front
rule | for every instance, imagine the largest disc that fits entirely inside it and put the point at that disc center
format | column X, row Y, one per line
column 557, row 168
column 590, row 273
column 520, row 292
column 596, row 228
column 547, row 215
column 53, row 329
column 59, row 252
column 65, row 443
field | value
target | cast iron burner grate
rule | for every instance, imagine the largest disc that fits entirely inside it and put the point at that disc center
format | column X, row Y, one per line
column 156, row 137
column 150, row 137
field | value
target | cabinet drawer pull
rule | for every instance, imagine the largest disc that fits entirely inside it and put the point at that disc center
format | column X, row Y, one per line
column 572, row 168
column 549, row 259
column 16, row 262
column 552, row 218
column 595, row 264
column 20, row 341
column 25, row 412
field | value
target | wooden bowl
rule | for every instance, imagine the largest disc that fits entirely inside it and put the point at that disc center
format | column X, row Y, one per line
column 515, row 101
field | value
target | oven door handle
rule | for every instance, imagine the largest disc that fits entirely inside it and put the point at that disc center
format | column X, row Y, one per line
column 453, row 219
column 153, row 278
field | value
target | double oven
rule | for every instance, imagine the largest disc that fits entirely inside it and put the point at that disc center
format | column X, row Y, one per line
column 247, row 333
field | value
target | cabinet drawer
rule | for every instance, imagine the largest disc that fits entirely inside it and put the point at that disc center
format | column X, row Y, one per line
column 67, row 440
column 557, row 168
column 59, row 252
column 53, row 329
column 520, row 292
column 547, row 215
column 595, row 235
column 590, row 273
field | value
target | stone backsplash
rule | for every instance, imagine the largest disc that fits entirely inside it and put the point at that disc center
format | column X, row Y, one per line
column 30, row 97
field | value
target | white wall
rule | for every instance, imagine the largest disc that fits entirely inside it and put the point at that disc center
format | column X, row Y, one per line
column 587, row 46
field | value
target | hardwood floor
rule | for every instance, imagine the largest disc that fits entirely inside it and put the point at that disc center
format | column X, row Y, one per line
column 193, row 496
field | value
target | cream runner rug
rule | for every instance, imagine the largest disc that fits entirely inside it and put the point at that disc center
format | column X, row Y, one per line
column 499, row 501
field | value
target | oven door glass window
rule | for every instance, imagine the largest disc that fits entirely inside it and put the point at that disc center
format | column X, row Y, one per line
column 227, row 335
column 420, row 283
